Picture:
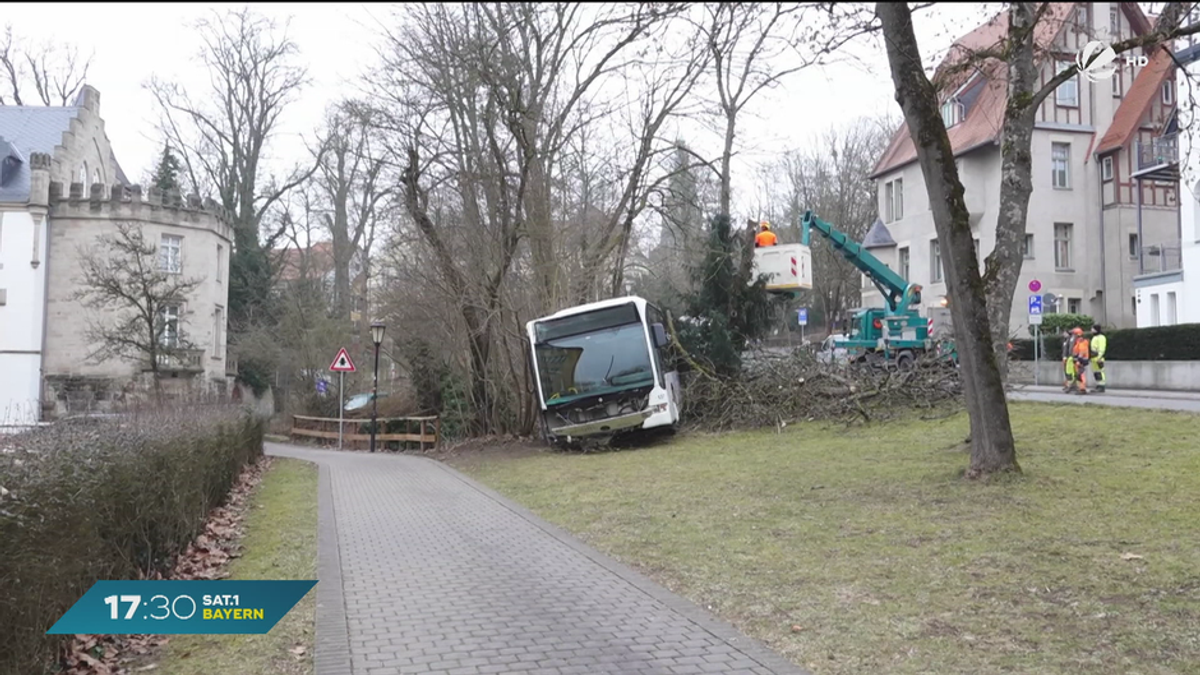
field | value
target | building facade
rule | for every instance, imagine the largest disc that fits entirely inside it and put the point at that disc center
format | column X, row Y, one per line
column 1089, row 224
column 1168, row 290
column 49, row 220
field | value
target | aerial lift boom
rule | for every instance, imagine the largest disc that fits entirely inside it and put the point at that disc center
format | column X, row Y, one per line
column 897, row 292
column 897, row 332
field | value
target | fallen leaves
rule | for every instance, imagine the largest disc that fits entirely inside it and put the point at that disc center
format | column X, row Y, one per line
column 204, row 558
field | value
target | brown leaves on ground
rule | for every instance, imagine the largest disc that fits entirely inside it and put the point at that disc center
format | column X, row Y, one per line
column 205, row 558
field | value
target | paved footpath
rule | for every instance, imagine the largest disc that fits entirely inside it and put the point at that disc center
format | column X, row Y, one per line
column 422, row 570
column 1182, row 401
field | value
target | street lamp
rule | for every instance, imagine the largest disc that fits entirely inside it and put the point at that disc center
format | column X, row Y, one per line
column 377, row 329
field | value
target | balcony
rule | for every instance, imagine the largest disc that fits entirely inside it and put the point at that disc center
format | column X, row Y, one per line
column 180, row 361
column 1158, row 159
column 1160, row 258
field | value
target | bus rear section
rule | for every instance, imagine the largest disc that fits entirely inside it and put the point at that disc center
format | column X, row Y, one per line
column 601, row 370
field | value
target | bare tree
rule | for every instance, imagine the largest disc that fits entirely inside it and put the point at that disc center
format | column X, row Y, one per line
column 55, row 73
column 833, row 179
column 142, row 305
column 350, row 176
column 751, row 45
column 980, row 304
column 223, row 137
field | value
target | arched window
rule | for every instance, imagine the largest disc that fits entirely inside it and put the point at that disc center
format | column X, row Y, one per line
column 96, row 178
column 83, row 174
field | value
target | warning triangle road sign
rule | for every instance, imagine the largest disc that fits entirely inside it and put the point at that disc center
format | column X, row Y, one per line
column 342, row 363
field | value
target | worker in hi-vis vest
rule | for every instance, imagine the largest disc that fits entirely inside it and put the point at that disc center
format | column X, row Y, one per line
column 765, row 236
column 1099, row 345
column 1082, row 353
column 1068, row 359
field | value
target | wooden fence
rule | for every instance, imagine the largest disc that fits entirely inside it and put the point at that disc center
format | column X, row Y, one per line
column 399, row 432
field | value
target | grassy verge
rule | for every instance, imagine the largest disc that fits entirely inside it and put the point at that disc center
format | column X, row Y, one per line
column 863, row 551
column 280, row 543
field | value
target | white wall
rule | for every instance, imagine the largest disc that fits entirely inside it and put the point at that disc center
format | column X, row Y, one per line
column 21, row 315
column 1189, row 203
column 1160, row 305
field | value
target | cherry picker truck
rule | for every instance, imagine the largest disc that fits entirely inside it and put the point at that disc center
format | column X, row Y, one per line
column 893, row 335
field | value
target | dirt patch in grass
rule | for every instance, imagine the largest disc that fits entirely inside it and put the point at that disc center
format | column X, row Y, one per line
column 864, row 551
column 280, row 543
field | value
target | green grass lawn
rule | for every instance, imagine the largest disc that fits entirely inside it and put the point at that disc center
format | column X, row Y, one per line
column 280, row 543
column 863, row 551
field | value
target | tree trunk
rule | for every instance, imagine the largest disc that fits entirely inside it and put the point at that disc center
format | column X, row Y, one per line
column 992, row 445
column 726, row 160
column 1016, row 182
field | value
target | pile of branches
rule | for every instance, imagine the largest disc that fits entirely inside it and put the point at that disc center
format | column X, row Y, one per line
column 777, row 389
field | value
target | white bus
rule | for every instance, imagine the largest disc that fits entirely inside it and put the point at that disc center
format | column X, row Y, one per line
column 603, row 369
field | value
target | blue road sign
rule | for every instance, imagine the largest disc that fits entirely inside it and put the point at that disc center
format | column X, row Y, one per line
column 322, row 386
column 802, row 316
column 1035, row 304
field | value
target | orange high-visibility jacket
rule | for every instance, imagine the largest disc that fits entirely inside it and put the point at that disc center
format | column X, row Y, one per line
column 765, row 238
column 1080, row 348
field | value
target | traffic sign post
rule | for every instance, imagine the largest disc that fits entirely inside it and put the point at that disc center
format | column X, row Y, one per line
column 342, row 365
column 1035, row 320
column 802, row 319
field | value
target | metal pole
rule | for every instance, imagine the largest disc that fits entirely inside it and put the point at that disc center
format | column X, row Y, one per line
column 1141, row 244
column 341, row 405
column 375, row 399
column 1037, row 350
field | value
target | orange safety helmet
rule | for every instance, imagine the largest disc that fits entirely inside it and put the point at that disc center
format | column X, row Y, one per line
column 1077, row 331
column 764, row 226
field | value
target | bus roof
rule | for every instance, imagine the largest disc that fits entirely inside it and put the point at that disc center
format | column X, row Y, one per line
column 603, row 304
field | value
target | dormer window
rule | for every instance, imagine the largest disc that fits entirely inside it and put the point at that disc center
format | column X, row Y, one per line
column 952, row 112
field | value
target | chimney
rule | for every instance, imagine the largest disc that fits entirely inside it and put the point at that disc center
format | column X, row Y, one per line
column 89, row 98
column 39, row 179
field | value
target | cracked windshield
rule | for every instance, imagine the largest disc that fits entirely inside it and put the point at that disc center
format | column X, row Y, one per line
column 597, row 353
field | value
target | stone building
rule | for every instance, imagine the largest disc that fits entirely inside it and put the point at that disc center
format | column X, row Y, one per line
column 48, row 219
column 1098, row 207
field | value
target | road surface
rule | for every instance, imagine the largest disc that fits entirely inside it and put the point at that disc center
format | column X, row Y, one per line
column 1183, row 401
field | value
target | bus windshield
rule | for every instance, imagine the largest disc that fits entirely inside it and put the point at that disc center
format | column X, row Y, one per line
column 590, row 354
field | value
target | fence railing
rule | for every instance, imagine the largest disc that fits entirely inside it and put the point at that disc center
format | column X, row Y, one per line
column 191, row 360
column 356, row 432
column 1161, row 258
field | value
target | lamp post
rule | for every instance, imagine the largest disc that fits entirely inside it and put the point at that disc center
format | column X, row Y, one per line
column 377, row 329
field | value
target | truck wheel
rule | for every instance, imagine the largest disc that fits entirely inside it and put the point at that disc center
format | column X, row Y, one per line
column 905, row 360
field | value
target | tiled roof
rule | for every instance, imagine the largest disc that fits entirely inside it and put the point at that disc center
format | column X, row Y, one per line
column 879, row 236
column 985, row 115
column 317, row 257
column 1141, row 94
column 30, row 129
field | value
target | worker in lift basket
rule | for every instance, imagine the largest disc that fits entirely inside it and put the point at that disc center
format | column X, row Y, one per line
column 765, row 236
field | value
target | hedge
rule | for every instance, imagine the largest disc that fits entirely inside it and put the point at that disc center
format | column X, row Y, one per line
column 1161, row 343
column 106, row 498
column 1056, row 323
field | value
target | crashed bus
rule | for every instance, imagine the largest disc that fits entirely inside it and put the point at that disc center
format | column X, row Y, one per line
column 603, row 369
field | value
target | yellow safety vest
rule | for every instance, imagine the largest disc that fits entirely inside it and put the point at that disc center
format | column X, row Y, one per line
column 1099, row 345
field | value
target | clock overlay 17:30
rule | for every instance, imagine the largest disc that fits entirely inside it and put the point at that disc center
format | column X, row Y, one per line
column 222, row 607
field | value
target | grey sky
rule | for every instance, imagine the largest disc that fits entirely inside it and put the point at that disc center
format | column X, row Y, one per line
column 131, row 42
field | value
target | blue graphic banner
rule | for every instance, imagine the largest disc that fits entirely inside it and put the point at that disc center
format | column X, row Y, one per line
column 220, row 607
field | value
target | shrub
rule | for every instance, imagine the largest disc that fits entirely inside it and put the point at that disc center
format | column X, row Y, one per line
column 110, row 498
column 1054, row 324
column 1162, row 343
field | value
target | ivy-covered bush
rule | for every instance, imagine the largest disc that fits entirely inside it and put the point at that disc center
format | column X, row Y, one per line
column 1161, row 343
column 109, row 498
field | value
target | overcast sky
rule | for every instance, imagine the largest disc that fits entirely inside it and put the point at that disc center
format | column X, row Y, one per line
column 131, row 42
